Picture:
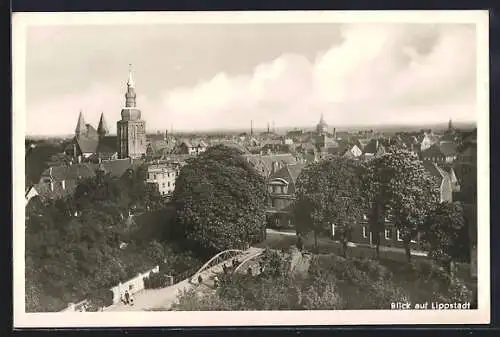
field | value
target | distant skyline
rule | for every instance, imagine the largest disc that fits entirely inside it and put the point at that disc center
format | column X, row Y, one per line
column 199, row 77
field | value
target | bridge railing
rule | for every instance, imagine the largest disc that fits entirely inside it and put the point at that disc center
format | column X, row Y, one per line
column 248, row 259
column 216, row 260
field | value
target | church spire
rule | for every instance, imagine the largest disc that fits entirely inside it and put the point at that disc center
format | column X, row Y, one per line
column 102, row 129
column 450, row 125
column 80, row 125
column 130, row 95
column 130, row 81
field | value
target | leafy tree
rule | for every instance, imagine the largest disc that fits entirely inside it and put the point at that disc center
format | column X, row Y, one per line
column 399, row 188
column 220, row 200
column 101, row 191
column 329, row 192
column 446, row 233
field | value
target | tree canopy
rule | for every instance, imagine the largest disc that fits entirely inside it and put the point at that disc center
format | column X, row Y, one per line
column 73, row 245
column 399, row 188
column 220, row 200
column 331, row 283
column 329, row 192
column 446, row 233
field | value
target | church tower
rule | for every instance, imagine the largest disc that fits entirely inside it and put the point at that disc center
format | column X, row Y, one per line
column 322, row 127
column 131, row 130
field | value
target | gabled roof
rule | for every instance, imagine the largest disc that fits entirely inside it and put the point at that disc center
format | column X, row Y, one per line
column 432, row 138
column 117, row 167
column 86, row 144
column 267, row 161
column 69, row 172
column 433, row 151
column 107, row 144
column 45, row 192
column 289, row 173
column 435, row 170
column 295, row 170
column 448, row 148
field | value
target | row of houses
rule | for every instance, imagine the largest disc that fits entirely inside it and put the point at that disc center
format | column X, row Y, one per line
column 282, row 184
column 60, row 181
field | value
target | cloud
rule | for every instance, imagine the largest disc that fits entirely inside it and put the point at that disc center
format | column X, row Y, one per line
column 377, row 73
column 384, row 68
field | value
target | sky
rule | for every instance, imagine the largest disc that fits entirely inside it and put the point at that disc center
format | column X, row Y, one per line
column 194, row 77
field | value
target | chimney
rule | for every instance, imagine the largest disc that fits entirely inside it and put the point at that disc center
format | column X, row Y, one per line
column 63, row 184
column 334, row 133
column 50, row 171
column 51, row 186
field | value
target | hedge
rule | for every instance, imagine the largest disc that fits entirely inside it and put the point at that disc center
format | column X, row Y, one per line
column 156, row 280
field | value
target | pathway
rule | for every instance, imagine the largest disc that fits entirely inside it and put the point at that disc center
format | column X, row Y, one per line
column 165, row 297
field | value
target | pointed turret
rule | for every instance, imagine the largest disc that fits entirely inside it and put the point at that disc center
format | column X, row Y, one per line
column 80, row 126
column 450, row 125
column 102, row 129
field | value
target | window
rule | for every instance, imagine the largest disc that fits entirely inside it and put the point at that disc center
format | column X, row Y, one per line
column 168, row 184
column 285, row 189
column 398, row 234
column 365, row 234
column 163, row 185
column 270, row 189
column 387, row 234
column 365, row 217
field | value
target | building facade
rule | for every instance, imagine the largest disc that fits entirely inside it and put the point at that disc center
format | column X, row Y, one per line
column 163, row 177
column 131, row 129
column 281, row 187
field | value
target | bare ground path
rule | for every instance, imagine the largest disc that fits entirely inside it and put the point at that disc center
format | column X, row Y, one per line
column 151, row 299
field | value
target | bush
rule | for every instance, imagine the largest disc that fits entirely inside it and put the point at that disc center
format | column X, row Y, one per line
column 100, row 298
column 156, row 280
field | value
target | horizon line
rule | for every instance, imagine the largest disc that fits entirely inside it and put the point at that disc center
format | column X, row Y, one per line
column 282, row 128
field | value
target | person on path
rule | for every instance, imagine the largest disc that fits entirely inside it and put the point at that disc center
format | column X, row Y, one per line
column 127, row 297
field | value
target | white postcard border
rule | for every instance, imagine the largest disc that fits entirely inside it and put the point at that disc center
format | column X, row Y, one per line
column 21, row 21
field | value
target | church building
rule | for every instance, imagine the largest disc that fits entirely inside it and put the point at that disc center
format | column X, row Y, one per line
column 90, row 144
column 131, row 130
